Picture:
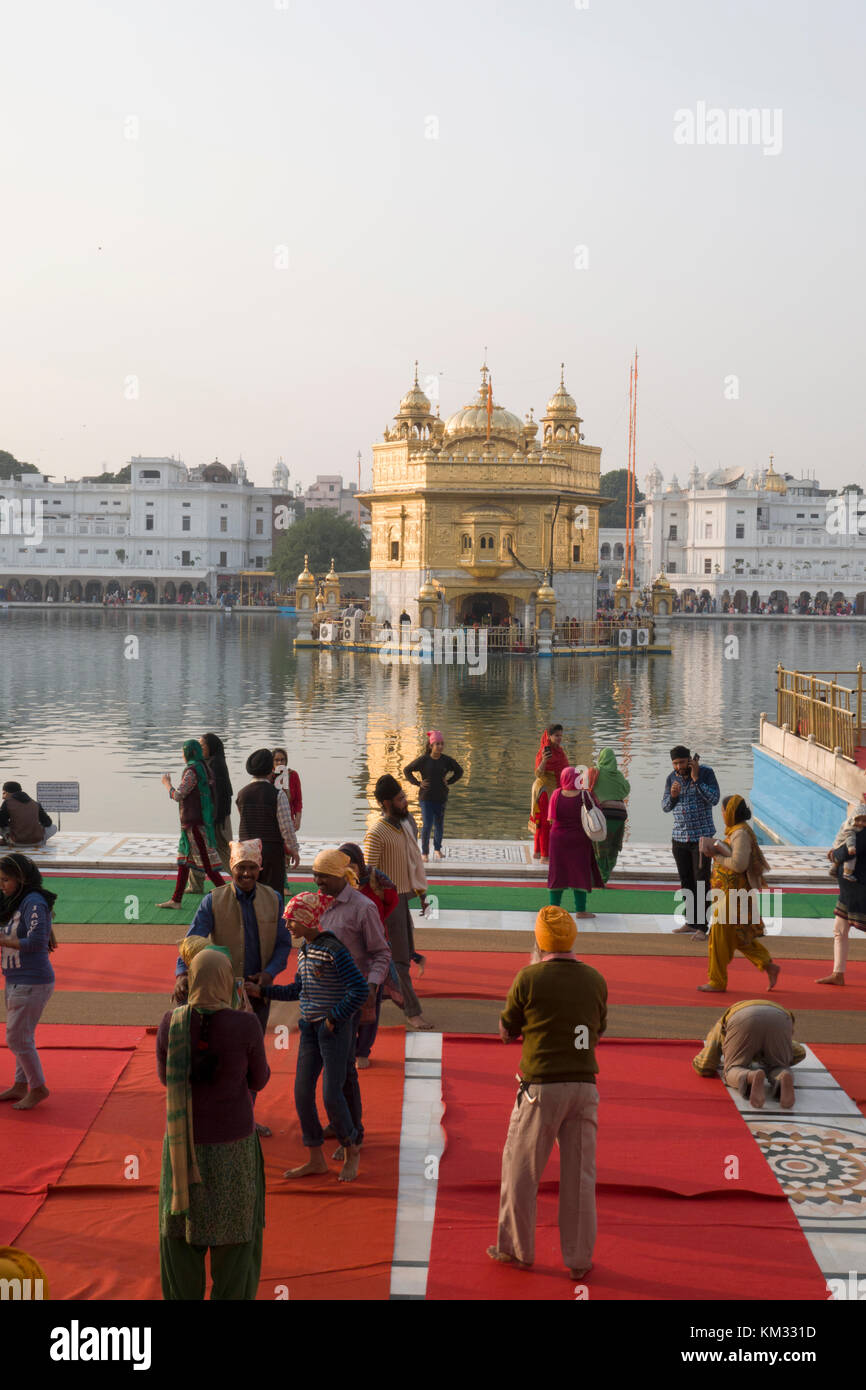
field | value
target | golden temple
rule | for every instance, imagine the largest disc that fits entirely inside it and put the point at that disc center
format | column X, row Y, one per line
column 476, row 519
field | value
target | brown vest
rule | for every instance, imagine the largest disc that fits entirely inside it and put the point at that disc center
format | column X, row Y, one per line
column 228, row 923
column 25, row 827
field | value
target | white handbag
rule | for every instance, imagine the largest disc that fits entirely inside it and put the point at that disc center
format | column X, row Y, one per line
column 592, row 819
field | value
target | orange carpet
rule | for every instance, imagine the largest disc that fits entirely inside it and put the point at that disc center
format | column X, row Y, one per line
column 35, row 1145
column 96, row 1233
column 646, row 980
column 671, row 1224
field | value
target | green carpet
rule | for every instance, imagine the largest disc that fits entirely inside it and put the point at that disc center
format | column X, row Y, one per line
column 83, row 900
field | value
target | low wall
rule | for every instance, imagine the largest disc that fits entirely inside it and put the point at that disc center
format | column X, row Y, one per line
column 801, row 792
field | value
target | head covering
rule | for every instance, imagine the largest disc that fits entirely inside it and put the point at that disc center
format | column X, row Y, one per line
column 435, row 736
column 245, row 852
column 387, row 788
column 305, row 910
column 334, row 861
column 20, row 867
column 730, row 809
column 211, row 979
column 858, row 811
column 572, row 779
column 610, row 784
column 260, row 763
column 552, row 767
column 356, row 854
column 194, row 758
column 555, row 929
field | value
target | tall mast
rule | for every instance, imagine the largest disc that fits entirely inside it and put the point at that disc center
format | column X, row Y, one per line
column 633, row 474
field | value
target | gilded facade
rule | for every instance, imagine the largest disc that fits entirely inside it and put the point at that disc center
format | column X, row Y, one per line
column 464, row 510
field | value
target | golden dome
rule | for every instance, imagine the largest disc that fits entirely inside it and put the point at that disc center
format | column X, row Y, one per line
column 427, row 594
column 773, row 482
column 661, row 580
column 472, row 419
column 414, row 402
column 545, row 594
column 561, row 403
column 305, row 577
column 622, row 582
column 332, row 574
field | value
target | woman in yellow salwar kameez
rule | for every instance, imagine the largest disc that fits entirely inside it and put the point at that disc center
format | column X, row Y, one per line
column 738, row 877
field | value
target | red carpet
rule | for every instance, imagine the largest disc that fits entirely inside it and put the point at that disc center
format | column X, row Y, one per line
column 671, row 1226
column 36, row 1145
column 96, row 1233
column 97, row 966
column 848, row 1064
column 649, row 980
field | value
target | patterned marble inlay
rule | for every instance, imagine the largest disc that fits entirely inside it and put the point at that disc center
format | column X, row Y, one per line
column 822, row 1171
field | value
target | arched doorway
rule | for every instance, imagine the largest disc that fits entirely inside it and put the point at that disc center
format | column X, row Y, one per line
column 93, row 591
column 779, row 600
column 33, row 589
column 169, row 592
column 860, row 604
column 488, row 609
column 741, row 601
column 755, row 602
column 75, row 590
column 52, row 590
column 186, row 591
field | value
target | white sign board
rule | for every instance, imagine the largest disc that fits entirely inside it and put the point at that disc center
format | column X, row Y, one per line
column 58, row 796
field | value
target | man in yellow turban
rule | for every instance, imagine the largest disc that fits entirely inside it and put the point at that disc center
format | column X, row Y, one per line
column 558, row 1006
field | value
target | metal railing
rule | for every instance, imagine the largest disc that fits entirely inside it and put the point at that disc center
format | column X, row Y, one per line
column 817, row 703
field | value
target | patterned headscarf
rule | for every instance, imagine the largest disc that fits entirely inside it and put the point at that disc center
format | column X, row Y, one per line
column 245, row 852
column 306, row 909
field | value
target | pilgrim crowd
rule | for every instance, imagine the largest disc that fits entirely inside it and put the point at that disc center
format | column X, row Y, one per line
column 355, row 946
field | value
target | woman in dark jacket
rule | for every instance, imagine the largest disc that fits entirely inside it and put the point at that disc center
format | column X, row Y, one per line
column 26, row 938
column 433, row 773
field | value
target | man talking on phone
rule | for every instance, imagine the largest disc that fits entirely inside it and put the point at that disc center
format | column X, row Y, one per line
column 691, row 792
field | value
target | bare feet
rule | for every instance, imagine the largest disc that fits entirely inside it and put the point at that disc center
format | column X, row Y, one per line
column 421, row 963
column 584, row 914
column 349, row 1170
column 786, row 1090
column 314, row 1166
column 504, row 1259
column 679, row 931
column 419, row 1023
column 580, row 1273
column 264, row 1131
column 834, row 978
column 171, row 904
column 339, row 1154
column 15, row 1092
column 757, row 1093
column 32, row 1098
column 773, row 972
column 437, row 854
column 711, row 989
column 362, row 1063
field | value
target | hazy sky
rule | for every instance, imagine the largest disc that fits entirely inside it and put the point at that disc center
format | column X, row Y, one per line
column 161, row 161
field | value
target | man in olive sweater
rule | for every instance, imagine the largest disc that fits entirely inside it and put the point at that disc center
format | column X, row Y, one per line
column 559, row 1007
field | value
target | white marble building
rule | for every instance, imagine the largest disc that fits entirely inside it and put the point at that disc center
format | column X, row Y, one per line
column 750, row 539
column 170, row 530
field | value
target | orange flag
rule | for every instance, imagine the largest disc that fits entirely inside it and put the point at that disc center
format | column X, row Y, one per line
column 489, row 403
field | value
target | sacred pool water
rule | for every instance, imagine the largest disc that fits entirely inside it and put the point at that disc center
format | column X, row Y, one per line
column 79, row 701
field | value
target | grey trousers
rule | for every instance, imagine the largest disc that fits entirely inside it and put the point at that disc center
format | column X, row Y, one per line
column 24, row 1005
column 759, row 1036
column 566, row 1113
column 401, row 936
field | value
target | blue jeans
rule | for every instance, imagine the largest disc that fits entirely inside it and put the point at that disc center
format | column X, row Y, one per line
column 24, row 1005
column 323, row 1051
column 432, row 818
column 367, row 1031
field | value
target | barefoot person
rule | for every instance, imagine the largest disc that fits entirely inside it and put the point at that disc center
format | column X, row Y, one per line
column 691, row 791
column 850, row 909
column 739, row 867
column 331, row 989
column 433, row 773
column 558, row 1005
column 550, row 761
column 26, row 939
column 211, row 1059
column 573, row 862
column 197, row 847
column 754, row 1043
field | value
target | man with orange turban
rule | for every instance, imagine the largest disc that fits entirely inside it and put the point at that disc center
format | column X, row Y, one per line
column 558, row 1006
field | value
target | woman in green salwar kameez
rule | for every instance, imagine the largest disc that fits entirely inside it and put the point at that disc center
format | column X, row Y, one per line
column 610, row 789
column 212, row 1189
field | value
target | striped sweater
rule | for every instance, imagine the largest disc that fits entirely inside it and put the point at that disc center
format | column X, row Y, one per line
column 328, row 983
column 386, row 848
